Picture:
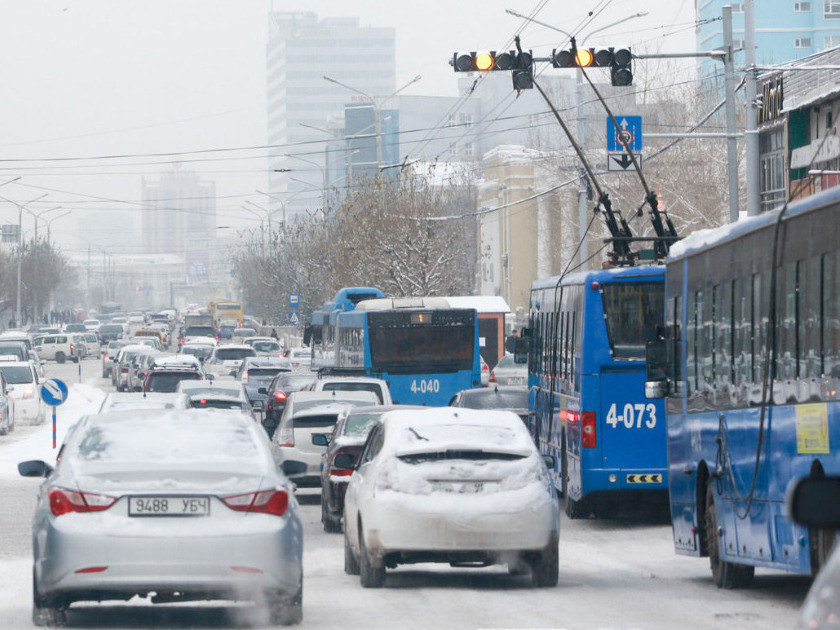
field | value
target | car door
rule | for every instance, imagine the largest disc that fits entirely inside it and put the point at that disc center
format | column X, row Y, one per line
column 360, row 488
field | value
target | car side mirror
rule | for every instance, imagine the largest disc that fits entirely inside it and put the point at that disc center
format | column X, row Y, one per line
column 34, row 468
column 344, row 460
column 262, row 390
column 320, row 439
column 210, row 376
column 548, row 460
column 657, row 384
column 815, row 502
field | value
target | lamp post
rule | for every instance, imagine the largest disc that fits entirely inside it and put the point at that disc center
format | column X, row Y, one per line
column 49, row 223
column 281, row 201
column 20, row 207
column 37, row 215
column 377, row 107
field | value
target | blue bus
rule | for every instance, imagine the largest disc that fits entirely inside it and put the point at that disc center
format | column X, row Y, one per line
column 586, row 374
column 750, row 369
column 320, row 335
column 426, row 350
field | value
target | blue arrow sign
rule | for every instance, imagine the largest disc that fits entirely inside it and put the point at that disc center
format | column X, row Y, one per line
column 629, row 133
column 54, row 392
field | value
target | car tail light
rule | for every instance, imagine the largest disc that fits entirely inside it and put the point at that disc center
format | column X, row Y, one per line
column 280, row 396
column 245, row 377
column 72, row 345
column 124, row 369
column 29, row 392
column 63, row 501
column 492, row 377
column 267, row 502
column 339, row 472
column 286, row 437
column 587, row 425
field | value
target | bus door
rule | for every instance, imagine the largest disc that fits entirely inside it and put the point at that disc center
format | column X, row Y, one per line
column 633, row 430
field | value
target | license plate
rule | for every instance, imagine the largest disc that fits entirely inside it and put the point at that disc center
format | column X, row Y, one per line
column 516, row 380
column 168, row 506
column 257, row 404
column 463, row 487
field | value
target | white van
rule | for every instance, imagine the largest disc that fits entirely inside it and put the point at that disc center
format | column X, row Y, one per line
column 61, row 347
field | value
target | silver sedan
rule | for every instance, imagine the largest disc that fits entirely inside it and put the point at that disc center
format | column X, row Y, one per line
column 178, row 505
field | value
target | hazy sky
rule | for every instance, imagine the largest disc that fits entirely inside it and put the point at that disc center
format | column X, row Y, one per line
column 147, row 79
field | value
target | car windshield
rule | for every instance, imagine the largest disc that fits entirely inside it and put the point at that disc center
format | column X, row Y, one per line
column 16, row 374
column 266, row 346
column 342, row 386
column 168, row 381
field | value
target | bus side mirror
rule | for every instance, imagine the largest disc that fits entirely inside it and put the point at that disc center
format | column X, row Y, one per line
column 815, row 502
column 657, row 384
column 307, row 335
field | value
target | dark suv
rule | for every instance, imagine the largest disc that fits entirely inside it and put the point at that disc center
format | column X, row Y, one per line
column 276, row 393
column 256, row 373
column 166, row 378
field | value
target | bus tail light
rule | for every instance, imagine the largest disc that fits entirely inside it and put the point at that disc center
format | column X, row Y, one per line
column 589, row 435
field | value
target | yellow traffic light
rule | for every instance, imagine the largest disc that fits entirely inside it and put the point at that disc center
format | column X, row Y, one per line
column 484, row 61
column 584, row 58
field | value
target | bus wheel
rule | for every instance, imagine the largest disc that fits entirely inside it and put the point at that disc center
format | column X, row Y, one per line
column 726, row 574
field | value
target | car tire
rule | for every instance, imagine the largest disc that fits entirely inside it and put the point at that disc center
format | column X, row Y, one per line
column 545, row 569
column 331, row 524
column 370, row 575
column 45, row 613
column 285, row 611
column 60, row 357
column 726, row 575
column 351, row 565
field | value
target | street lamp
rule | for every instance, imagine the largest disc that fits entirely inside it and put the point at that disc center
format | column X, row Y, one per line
column 377, row 107
column 37, row 215
column 49, row 223
column 20, row 207
column 281, row 202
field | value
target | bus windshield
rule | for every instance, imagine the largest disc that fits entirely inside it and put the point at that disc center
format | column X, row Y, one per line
column 633, row 311
column 418, row 349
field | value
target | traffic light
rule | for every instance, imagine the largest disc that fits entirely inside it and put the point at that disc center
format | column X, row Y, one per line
column 483, row 61
column 621, row 69
column 618, row 61
column 523, row 71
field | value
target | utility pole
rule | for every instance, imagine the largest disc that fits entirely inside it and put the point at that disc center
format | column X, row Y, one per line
column 751, row 135
column 731, row 137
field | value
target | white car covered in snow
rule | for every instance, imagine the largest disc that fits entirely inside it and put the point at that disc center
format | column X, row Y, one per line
column 460, row 486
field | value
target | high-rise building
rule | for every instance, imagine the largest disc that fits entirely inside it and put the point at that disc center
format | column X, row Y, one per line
column 784, row 29
column 179, row 213
column 301, row 51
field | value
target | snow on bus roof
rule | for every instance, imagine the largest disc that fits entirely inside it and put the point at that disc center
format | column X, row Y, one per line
column 481, row 303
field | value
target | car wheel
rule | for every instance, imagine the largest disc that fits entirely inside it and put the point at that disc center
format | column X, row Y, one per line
column 351, row 565
column 45, row 612
column 726, row 574
column 60, row 357
column 371, row 576
column 545, row 569
column 285, row 611
column 331, row 524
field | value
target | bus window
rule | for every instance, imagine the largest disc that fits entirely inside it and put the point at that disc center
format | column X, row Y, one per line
column 632, row 311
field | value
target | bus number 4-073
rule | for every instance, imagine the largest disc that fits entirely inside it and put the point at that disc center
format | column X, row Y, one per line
column 633, row 417
column 425, row 386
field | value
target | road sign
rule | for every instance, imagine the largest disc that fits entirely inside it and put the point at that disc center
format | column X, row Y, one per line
column 294, row 318
column 629, row 133
column 620, row 162
column 294, row 300
column 54, row 392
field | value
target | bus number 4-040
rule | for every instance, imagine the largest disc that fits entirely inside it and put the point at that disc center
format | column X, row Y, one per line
column 425, row 386
column 634, row 416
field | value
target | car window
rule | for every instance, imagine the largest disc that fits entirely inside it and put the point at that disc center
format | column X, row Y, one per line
column 354, row 387
column 168, row 381
column 16, row 374
column 266, row 346
column 358, row 425
column 496, row 400
column 373, row 445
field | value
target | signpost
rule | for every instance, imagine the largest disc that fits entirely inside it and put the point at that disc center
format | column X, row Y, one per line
column 54, row 393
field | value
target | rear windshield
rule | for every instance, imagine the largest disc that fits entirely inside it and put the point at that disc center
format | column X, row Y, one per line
column 16, row 374
column 633, row 311
column 354, row 387
column 489, row 399
column 204, row 403
column 12, row 350
column 359, row 424
column 202, row 352
column 168, row 381
column 294, row 382
column 319, row 420
column 233, row 354
column 265, row 346
column 265, row 372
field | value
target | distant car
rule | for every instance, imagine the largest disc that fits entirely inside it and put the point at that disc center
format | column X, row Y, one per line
column 306, row 415
column 348, row 437
column 92, row 324
column 265, row 346
column 17, row 335
column 241, row 333
column 76, row 327
column 111, row 332
column 124, row 401
column 485, row 372
column 139, row 369
column 353, row 384
column 166, row 378
column 61, row 346
column 504, row 398
column 256, row 373
column 22, row 385
column 508, row 372
column 226, row 359
column 14, row 350
column 200, row 351
column 93, row 345
column 125, row 357
column 109, row 356
column 226, row 328
column 278, row 392
column 450, row 485
column 301, row 358
column 217, row 395
column 7, row 407
column 182, row 503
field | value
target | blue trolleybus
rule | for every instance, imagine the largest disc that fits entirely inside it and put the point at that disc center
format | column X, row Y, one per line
column 425, row 350
column 751, row 367
column 586, row 374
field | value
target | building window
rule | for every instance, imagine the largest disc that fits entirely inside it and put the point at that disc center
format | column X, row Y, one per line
column 773, row 184
column 466, row 120
column 832, row 9
column 738, row 44
column 469, row 150
column 737, row 7
column 802, row 7
column 802, row 42
column 831, row 41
